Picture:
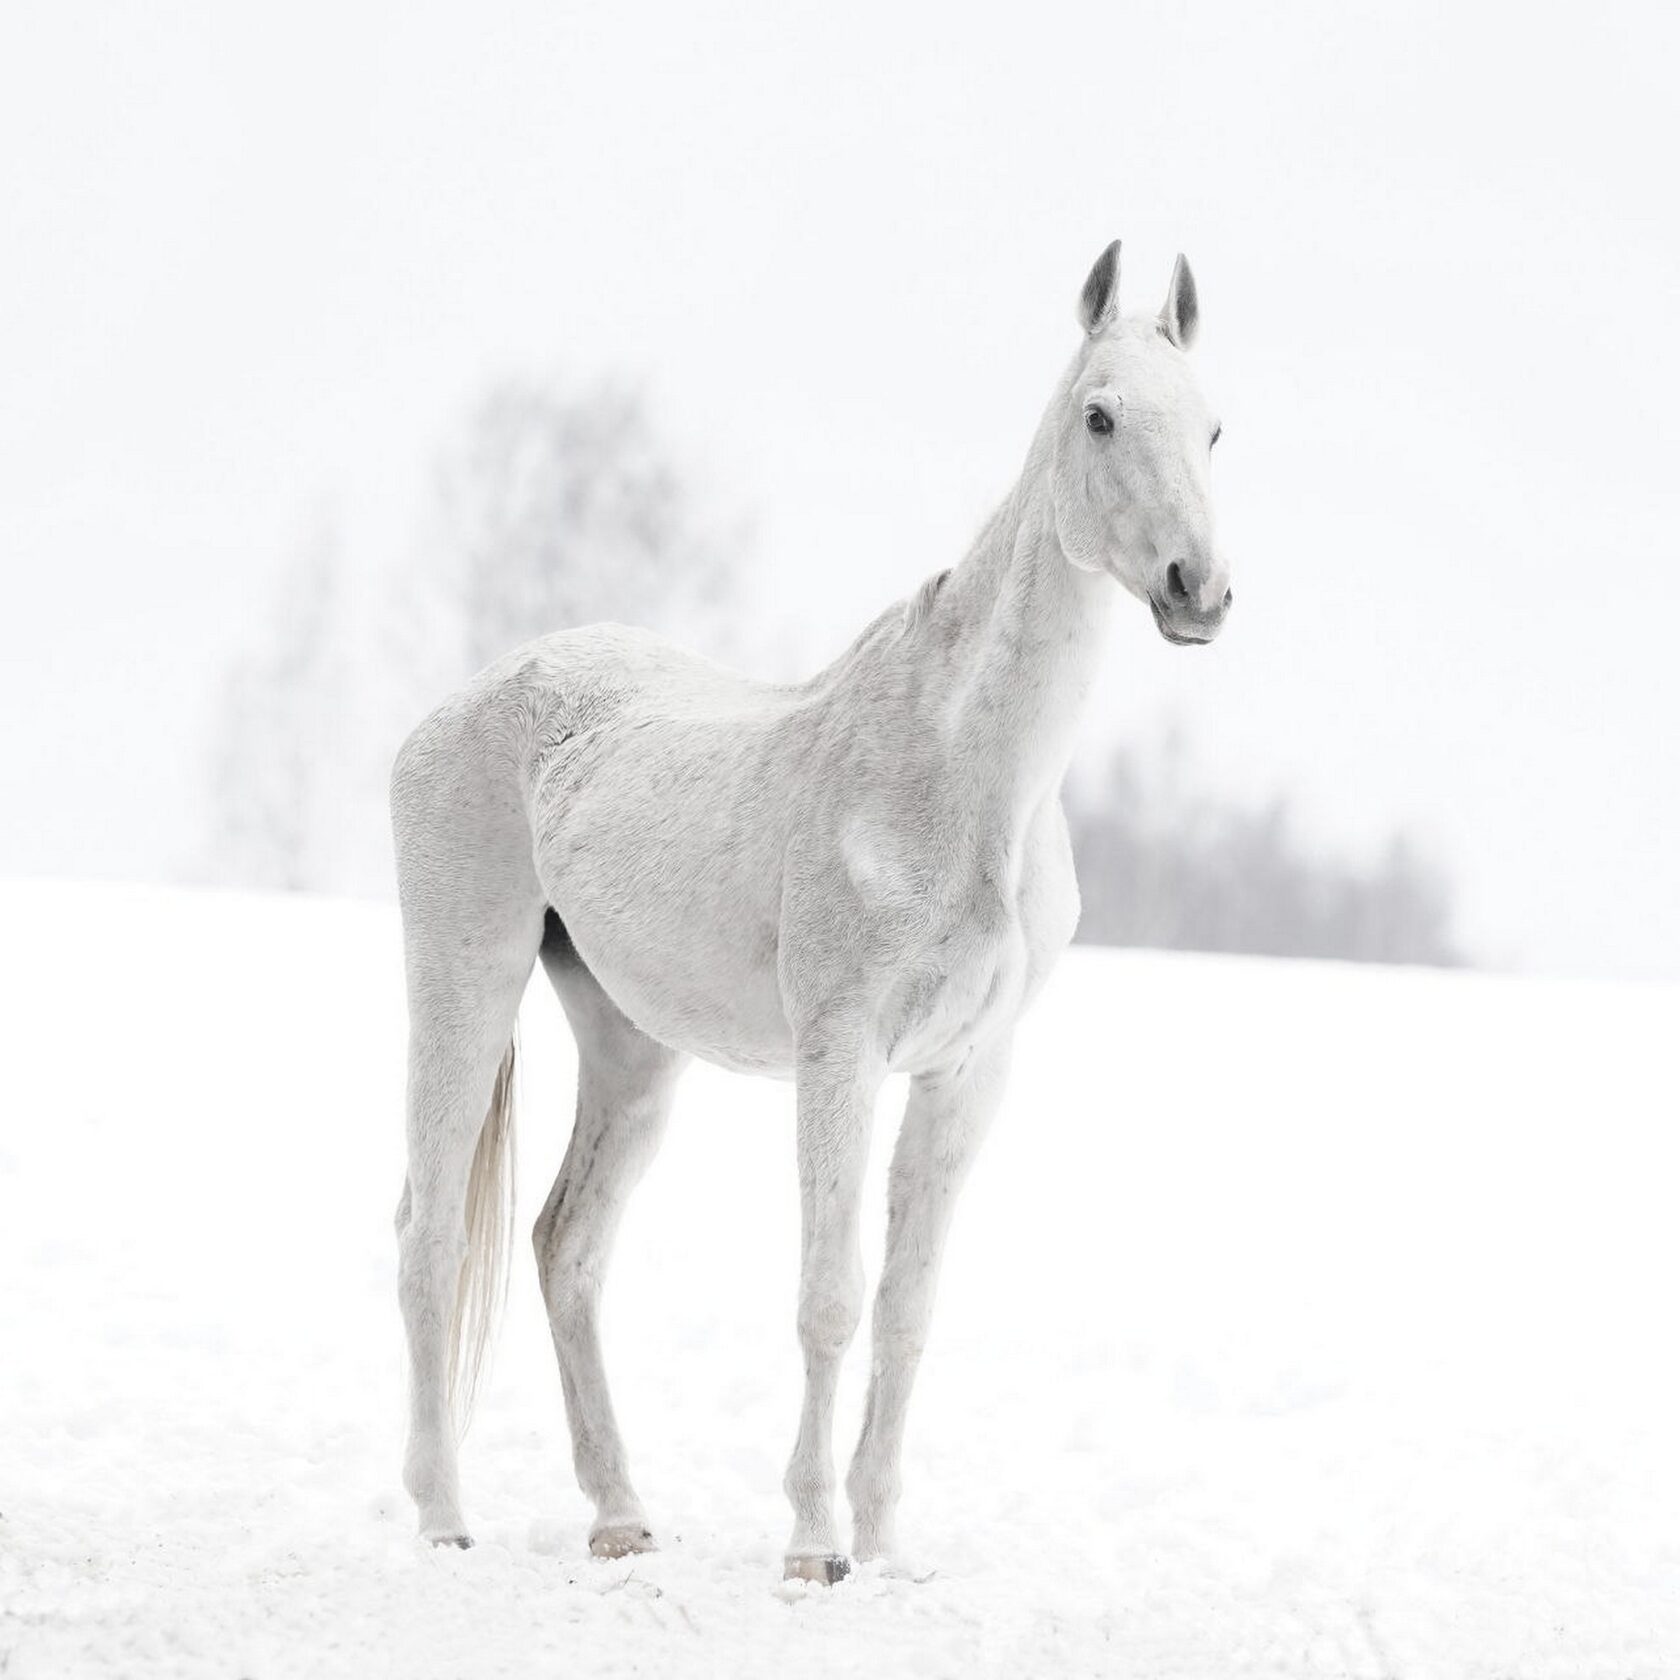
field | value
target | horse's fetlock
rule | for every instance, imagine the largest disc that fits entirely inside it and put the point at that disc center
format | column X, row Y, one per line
column 809, row 1483
column 872, row 1486
column 429, row 1470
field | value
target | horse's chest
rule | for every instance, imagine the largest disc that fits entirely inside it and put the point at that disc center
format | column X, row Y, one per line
column 958, row 986
column 955, row 937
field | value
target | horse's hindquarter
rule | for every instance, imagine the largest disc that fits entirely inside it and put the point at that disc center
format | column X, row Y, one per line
column 659, row 816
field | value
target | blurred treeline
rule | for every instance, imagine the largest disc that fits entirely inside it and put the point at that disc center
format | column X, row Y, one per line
column 1192, row 872
column 554, row 505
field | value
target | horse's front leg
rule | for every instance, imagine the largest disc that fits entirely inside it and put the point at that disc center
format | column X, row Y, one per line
column 837, row 1082
column 944, row 1121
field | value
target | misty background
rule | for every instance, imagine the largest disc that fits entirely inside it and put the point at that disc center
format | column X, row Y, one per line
column 346, row 348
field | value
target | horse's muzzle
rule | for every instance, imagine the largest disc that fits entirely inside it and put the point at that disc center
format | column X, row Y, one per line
column 1184, row 626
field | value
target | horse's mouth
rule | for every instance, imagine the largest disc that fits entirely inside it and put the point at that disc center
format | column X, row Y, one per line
column 1177, row 637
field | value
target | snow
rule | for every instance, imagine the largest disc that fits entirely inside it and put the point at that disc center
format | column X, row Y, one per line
column 1300, row 1320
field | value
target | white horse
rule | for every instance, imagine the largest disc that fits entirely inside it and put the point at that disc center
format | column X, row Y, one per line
column 864, row 873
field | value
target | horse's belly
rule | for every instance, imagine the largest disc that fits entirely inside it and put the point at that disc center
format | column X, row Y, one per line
column 739, row 1025
column 657, row 849
column 712, row 993
column 687, row 972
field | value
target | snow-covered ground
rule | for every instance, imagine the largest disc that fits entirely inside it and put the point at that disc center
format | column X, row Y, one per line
column 1300, row 1320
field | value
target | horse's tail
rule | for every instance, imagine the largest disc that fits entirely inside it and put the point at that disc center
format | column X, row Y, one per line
column 482, row 1286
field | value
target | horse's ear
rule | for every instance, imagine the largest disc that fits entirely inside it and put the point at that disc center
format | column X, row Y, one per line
column 1100, row 300
column 1180, row 313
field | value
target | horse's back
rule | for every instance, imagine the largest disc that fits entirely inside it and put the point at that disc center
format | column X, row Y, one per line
column 574, row 683
column 590, row 678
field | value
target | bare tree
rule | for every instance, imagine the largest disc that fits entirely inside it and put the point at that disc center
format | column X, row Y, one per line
column 553, row 506
column 274, row 732
column 558, row 507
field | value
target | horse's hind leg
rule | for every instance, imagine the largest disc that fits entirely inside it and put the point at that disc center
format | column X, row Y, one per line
column 472, row 922
column 625, row 1083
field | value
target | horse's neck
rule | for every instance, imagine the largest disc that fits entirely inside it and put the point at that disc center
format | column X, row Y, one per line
column 1011, row 644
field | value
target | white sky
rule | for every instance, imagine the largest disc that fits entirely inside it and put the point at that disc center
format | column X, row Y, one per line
column 257, row 258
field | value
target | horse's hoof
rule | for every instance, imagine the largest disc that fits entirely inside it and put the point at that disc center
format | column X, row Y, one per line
column 462, row 1541
column 825, row 1571
column 621, row 1540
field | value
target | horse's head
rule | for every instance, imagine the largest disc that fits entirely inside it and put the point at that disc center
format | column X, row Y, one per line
column 1133, row 437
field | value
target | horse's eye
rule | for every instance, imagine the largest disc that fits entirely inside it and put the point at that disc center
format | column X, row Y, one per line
column 1099, row 421
column 1218, row 433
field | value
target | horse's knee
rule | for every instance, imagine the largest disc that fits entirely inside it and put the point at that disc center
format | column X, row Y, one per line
column 903, row 1307
column 828, row 1318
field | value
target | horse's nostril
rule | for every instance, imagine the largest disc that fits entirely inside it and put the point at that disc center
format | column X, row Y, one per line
column 1175, row 583
column 1227, row 598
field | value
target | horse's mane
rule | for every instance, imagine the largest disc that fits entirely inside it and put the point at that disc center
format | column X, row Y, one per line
column 898, row 620
column 917, row 608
